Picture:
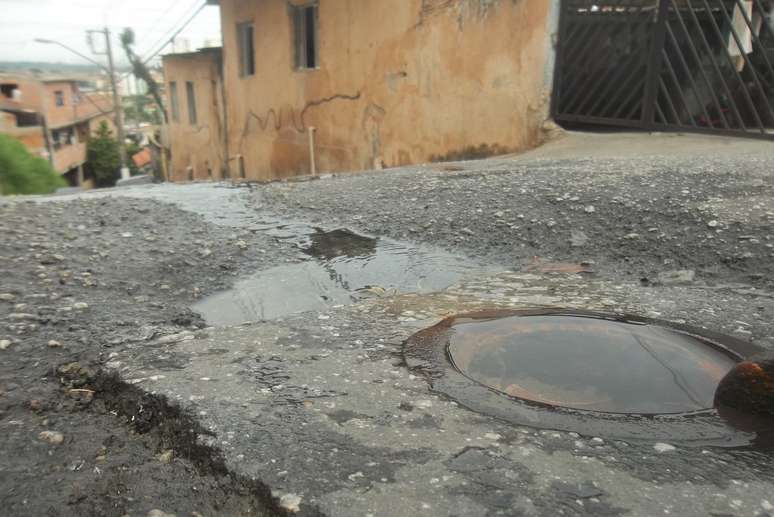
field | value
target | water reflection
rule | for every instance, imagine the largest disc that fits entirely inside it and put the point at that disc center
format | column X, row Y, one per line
column 339, row 243
column 590, row 363
column 344, row 265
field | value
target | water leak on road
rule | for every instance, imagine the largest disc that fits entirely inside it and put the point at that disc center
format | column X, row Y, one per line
column 593, row 373
column 336, row 267
column 591, row 363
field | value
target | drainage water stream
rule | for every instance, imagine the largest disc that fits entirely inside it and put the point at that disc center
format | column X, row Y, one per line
column 594, row 374
column 339, row 267
column 335, row 266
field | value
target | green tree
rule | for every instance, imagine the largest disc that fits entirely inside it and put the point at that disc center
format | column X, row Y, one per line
column 103, row 159
column 140, row 69
column 25, row 173
column 140, row 108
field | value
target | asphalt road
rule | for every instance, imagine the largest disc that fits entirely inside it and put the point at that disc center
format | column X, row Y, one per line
column 115, row 398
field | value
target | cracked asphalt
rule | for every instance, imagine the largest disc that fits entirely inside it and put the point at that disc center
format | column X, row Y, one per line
column 316, row 412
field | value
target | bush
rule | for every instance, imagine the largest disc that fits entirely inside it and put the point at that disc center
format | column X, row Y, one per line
column 25, row 173
column 103, row 157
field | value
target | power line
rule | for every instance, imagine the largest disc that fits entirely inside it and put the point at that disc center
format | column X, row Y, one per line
column 164, row 40
column 180, row 19
column 172, row 4
column 175, row 34
column 168, row 39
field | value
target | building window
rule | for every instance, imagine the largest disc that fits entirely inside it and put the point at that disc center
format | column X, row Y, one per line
column 306, row 36
column 173, row 102
column 191, row 95
column 59, row 98
column 8, row 90
column 27, row 119
column 246, row 36
column 56, row 137
column 63, row 137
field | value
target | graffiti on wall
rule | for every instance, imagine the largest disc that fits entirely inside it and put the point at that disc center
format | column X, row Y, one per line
column 293, row 118
column 278, row 119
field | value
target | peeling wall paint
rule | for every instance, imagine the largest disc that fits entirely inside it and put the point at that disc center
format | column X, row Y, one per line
column 398, row 83
column 462, row 10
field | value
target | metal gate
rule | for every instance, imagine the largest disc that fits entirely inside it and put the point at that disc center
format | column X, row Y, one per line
column 687, row 65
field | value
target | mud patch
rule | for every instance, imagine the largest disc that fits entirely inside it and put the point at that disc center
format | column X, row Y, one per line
column 471, row 152
column 181, row 433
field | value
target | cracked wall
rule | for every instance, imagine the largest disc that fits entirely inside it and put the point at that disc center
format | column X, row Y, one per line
column 398, row 83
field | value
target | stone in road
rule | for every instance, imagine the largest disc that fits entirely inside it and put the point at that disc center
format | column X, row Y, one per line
column 317, row 409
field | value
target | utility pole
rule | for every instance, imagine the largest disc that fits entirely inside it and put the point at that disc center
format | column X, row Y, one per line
column 118, row 106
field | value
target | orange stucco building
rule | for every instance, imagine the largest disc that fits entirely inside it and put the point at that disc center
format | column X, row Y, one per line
column 196, row 129
column 341, row 85
column 53, row 118
column 384, row 83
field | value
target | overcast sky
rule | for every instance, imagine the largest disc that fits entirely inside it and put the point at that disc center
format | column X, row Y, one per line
column 21, row 21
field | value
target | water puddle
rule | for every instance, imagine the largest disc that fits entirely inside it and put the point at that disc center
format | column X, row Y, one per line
column 596, row 374
column 339, row 267
column 332, row 267
column 591, row 363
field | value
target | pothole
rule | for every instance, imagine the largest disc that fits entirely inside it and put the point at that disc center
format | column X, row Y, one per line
column 598, row 374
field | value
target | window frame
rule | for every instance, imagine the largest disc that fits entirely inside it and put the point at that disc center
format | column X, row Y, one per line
column 190, row 95
column 246, row 48
column 174, row 101
column 59, row 98
column 7, row 90
column 304, row 30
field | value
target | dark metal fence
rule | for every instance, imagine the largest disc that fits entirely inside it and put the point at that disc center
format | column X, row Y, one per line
column 699, row 65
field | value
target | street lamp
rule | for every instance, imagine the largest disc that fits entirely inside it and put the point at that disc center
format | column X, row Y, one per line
column 117, row 105
column 83, row 56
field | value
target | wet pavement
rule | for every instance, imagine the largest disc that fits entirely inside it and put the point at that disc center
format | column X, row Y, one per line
column 342, row 268
column 320, row 406
column 315, row 400
column 592, row 363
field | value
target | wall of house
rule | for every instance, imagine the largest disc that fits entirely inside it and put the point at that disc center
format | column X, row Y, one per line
column 69, row 157
column 399, row 83
column 198, row 150
column 32, row 137
column 58, row 115
column 77, row 106
column 7, row 122
column 29, row 91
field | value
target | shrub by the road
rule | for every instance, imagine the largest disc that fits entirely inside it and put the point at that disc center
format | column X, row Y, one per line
column 103, row 156
column 24, row 173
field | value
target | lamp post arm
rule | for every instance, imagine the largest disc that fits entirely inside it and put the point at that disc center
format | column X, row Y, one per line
column 83, row 56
